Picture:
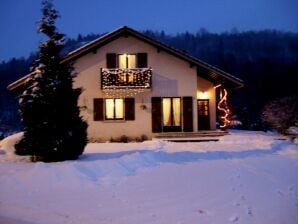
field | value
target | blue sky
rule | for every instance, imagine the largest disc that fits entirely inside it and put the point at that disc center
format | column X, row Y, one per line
column 18, row 18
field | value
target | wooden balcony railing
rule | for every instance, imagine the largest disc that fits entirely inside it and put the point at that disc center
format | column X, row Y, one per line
column 119, row 78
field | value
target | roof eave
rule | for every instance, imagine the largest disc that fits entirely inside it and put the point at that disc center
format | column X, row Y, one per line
column 97, row 43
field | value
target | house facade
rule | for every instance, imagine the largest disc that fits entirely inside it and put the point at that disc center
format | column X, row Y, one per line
column 134, row 85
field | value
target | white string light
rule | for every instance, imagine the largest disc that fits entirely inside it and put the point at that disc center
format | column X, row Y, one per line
column 223, row 107
column 123, row 82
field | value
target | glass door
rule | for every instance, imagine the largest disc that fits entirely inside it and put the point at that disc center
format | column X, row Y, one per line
column 203, row 115
column 171, row 111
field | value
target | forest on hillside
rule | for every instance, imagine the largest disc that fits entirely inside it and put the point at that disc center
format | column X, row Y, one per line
column 266, row 60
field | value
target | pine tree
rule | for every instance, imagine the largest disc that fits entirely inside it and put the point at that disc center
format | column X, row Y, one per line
column 53, row 128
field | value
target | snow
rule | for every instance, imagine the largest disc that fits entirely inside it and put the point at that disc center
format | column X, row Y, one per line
column 245, row 177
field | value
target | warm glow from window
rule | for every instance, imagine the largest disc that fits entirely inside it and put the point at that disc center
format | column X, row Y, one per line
column 122, row 61
column 114, row 108
column 166, row 106
column 202, row 95
column 127, row 60
column 171, row 111
column 109, row 108
column 119, row 109
column 131, row 62
column 176, row 112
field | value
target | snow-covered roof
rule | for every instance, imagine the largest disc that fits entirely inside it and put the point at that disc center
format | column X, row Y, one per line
column 204, row 69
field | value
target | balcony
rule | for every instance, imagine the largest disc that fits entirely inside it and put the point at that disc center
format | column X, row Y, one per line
column 126, row 78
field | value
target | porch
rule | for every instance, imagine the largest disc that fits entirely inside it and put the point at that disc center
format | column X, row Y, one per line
column 199, row 136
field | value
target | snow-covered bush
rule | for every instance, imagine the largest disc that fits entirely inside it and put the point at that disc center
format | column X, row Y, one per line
column 281, row 113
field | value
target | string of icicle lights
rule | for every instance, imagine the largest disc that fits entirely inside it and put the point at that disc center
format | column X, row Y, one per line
column 125, row 82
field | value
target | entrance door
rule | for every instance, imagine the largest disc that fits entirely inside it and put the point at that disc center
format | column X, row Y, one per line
column 203, row 115
column 171, row 114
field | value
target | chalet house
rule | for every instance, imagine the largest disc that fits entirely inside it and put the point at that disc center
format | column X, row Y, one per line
column 134, row 85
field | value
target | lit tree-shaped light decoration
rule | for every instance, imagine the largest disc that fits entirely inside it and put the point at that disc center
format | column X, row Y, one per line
column 225, row 111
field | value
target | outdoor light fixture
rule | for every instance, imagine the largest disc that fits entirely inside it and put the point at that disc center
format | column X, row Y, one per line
column 203, row 95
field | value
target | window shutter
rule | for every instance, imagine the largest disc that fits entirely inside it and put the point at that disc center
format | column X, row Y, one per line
column 129, row 109
column 156, row 114
column 98, row 109
column 142, row 60
column 111, row 60
column 187, row 114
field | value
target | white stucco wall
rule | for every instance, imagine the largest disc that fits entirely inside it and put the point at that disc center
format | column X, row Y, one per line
column 171, row 77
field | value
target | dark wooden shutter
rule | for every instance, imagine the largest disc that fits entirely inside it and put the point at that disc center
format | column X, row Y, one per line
column 156, row 114
column 142, row 60
column 187, row 114
column 129, row 109
column 111, row 60
column 98, row 109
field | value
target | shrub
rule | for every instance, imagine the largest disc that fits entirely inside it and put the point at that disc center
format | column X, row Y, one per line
column 281, row 113
column 124, row 139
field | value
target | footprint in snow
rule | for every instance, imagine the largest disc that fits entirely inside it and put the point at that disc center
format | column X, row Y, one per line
column 237, row 204
column 234, row 218
column 249, row 211
column 202, row 211
column 280, row 193
column 243, row 198
column 153, row 215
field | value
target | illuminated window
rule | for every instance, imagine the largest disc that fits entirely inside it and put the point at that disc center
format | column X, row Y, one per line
column 203, row 107
column 127, row 60
column 114, row 109
column 171, row 111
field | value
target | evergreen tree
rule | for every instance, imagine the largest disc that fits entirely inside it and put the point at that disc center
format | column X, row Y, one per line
column 53, row 128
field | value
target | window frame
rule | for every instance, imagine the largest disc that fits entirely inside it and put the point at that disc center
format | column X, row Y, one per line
column 114, row 109
column 172, row 114
column 127, row 58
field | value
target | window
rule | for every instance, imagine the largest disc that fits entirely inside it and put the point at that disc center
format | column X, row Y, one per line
column 203, row 107
column 138, row 60
column 114, row 109
column 203, row 115
column 127, row 60
column 171, row 112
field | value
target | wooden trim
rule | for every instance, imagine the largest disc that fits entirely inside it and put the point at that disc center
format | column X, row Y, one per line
column 98, row 109
column 203, row 120
column 129, row 104
column 111, row 60
column 142, row 60
column 156, row 114
column 187, row 114
column 215, row 74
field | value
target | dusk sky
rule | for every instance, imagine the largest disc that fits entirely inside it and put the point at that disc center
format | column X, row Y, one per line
column 18, row 18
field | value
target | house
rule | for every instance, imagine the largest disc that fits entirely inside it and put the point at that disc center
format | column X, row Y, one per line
column 134, row 85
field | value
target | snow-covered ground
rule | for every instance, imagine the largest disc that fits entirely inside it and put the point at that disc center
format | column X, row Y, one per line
column 245, row 177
